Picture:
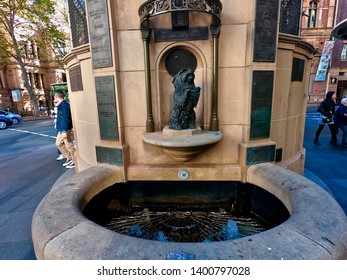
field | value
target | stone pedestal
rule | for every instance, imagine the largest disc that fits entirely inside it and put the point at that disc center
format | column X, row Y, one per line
column 183, row 132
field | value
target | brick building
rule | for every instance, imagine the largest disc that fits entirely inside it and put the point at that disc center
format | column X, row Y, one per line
column 318, row 19
column 41, row 73
column 338, row 72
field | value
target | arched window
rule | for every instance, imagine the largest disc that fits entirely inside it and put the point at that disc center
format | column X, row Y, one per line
column 312, row 14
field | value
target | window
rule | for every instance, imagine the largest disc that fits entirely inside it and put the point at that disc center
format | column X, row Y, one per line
column 312, row 14
column 42, row 81
column 2, row 81
column 36, row 80
column 30, row 50
column 30, row 78
column 344, row 52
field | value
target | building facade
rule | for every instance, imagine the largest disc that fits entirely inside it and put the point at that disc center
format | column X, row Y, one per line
column 41, row 73
column 338, row 72
column 318, row 20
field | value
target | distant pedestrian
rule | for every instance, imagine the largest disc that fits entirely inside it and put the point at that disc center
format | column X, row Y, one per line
column 64, row 126
column 327, row 109
column 340, row 120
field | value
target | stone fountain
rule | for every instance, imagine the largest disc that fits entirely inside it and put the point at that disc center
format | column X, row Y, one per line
column 240, row 137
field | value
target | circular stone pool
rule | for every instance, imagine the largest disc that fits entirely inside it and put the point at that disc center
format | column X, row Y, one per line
column 186, row 211
column 316, row 228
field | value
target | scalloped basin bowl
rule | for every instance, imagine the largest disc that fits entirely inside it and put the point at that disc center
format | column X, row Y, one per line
column 182, row 147
column 315, row 228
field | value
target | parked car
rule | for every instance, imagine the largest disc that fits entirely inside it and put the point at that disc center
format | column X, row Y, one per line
column 16, row 119
column 5, row 122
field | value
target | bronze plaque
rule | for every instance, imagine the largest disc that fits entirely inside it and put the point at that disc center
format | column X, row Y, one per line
column 291, row 15
column 265, row 37
column 99, row 33
column 76, row 78
column 298, row 69
column 261, row 104
column 105, row 95
column 256, row 155
column 180, row 20
column 191, row 34
column 179, row 59
column 109, row 155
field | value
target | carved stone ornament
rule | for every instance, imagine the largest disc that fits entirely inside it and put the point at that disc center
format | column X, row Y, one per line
column 156, row 7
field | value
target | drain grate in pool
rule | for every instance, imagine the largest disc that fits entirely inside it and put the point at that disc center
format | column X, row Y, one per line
column 185, row 226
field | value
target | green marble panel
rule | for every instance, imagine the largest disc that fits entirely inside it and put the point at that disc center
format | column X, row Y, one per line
column 298, row 69
column 261, row 104
column 256, row 155
column 109, row 155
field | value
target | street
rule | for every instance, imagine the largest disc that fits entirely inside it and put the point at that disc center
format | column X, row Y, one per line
column 28, row 169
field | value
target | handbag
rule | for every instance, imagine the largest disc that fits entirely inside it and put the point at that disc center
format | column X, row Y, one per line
column 327, row 119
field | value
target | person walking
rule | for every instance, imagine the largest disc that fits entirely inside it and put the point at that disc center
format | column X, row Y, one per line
column 54, row 114
column 340, row 120
column 327, row 109
column 64, row 126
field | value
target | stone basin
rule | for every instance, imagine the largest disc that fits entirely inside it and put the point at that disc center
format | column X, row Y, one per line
column 183, row 146
column 315, row 230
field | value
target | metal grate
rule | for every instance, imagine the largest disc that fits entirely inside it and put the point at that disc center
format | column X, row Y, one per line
column 78, row 22
column 290, row 16
column 184, row 226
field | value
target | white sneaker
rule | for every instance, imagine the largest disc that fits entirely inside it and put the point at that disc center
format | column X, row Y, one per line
column 67, row 162
column 70, row 165
column 61, row 157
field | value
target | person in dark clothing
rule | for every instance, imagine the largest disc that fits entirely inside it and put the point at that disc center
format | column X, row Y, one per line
column 340, row 120
column 64, row 126
column 327, row 109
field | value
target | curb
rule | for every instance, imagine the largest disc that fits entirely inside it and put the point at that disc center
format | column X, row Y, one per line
column 29, row 119
column 314, row 178
column 67, row 174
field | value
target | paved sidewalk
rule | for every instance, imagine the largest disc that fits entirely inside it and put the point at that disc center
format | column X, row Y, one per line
column 325, row 164
column 28, row 170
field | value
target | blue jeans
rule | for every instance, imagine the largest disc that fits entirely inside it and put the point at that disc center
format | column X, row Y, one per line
column 343, row 127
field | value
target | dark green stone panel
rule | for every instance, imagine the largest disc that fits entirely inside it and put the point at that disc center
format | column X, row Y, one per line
column 260, row 154
column 109, row 155
column 261, row 104
column 298, row 69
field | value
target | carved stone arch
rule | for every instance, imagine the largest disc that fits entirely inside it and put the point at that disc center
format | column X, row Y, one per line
column 152, row 8
column 165, row 88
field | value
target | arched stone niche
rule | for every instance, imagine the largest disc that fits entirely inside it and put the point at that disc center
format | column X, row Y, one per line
column 152, row 8
column 165, row 87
